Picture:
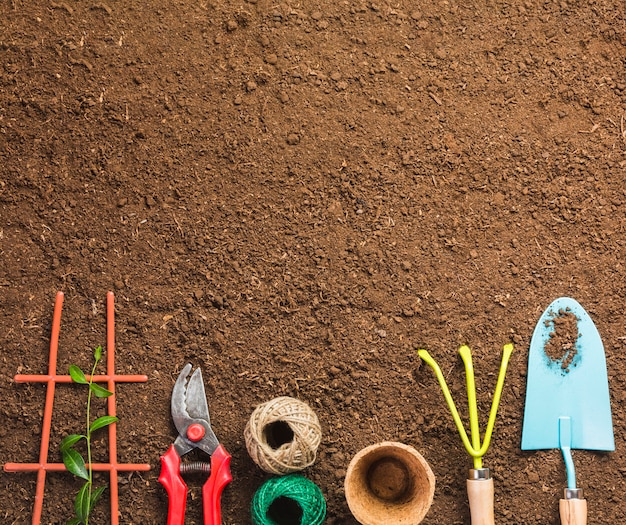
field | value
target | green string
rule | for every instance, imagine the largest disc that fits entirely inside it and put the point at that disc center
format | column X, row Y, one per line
column 275, row 501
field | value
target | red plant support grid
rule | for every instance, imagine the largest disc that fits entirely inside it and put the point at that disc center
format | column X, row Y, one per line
column 52, row 378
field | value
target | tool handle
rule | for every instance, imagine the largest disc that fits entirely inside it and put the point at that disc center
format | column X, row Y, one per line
column 213, row 487
column 573, row 511
column 176, row 489
column 480, row 493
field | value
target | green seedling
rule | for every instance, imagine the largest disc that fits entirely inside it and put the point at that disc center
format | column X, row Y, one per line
column 87, row 496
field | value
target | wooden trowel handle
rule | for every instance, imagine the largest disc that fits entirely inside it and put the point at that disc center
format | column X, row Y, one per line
column 573, row 511
column 480, row 493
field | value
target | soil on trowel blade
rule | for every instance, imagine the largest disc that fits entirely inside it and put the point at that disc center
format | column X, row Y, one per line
column 561, row 344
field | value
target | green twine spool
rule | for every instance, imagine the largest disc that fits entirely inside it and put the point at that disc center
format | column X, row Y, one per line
column 288, row 500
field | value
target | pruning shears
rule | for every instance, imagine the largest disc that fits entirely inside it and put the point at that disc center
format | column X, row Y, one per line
column 190, row 414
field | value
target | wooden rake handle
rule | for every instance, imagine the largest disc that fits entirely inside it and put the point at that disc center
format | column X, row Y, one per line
column 480, row 493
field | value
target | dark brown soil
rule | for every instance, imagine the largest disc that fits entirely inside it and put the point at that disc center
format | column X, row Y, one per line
column 561, row 344
column 296, row 196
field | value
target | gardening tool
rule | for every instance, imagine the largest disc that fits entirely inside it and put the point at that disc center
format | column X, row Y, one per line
column 480, row 490
column 567, row 394
column 191, row 418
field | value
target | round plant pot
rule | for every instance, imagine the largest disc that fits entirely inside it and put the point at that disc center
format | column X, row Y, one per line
column 389, row 483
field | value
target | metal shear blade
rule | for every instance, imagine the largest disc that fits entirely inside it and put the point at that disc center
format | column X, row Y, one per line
column 189, row 399
column 189, row 406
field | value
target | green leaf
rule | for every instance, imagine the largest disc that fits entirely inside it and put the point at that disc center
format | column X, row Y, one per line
column 74, row 521
column 102, row 422
column 70, row 441
column 81, row 503
column 97, row 353
column 77, row 375
column 95, row 496
column 75, row 463
column 100, row 391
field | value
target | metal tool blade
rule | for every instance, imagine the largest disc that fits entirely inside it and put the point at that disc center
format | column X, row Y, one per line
column 180, row 416
column 197, row 407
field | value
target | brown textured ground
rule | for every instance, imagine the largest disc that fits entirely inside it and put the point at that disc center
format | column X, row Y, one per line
column 296, row 196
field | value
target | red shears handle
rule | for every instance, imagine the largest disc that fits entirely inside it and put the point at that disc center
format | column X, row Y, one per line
column 213, row 487
column 176, row 488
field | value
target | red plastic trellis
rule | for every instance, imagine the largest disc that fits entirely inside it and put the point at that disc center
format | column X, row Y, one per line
column 52, row 379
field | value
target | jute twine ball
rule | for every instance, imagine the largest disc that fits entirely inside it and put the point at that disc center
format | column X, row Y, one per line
column 283, row 435
column 288, row 499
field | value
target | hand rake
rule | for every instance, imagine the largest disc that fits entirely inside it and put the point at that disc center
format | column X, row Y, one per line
column 480, row 489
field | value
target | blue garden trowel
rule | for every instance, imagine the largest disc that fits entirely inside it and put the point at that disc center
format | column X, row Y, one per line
column 567, row 394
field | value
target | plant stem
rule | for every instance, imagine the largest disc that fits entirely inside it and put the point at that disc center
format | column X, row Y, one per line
column 89, row 466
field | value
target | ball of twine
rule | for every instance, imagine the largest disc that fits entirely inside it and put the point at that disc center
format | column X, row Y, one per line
column 288, row 499
column 282, row 435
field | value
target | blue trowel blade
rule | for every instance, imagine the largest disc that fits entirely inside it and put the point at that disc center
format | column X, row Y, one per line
column 577, row 388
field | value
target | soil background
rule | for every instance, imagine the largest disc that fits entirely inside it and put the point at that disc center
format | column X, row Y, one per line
column 296, row 196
